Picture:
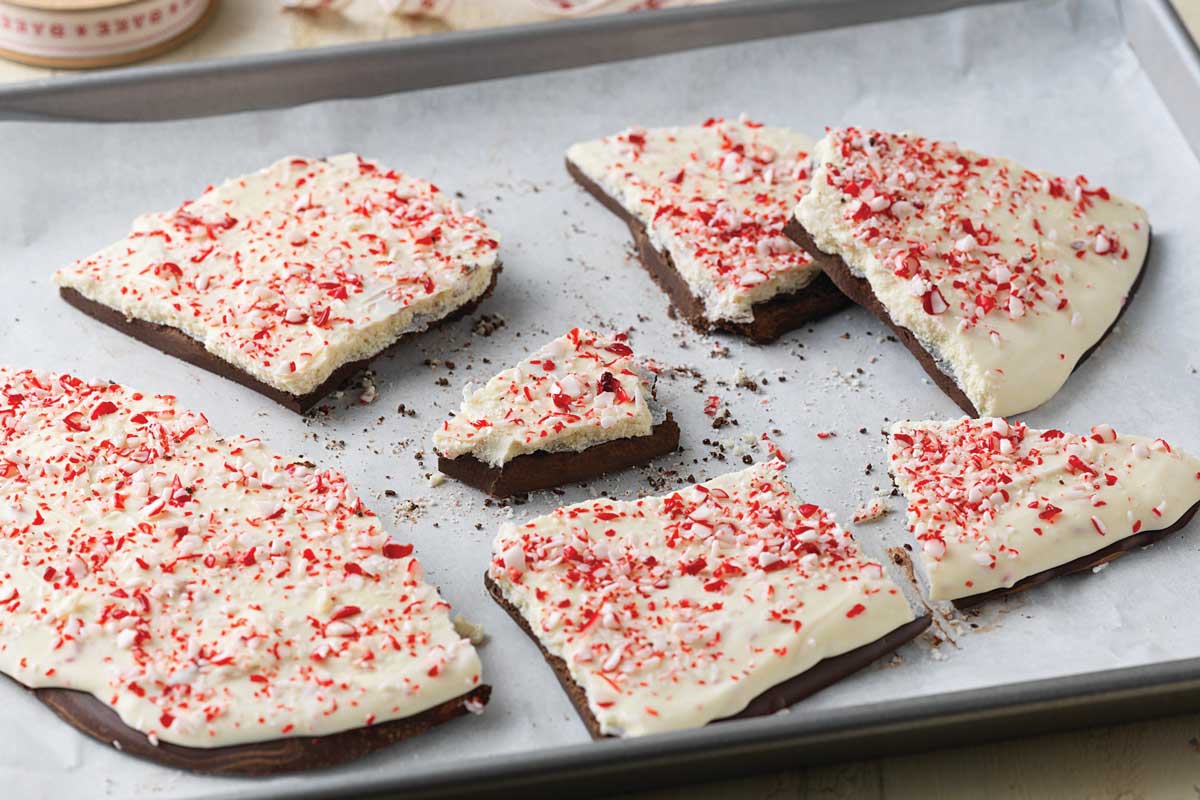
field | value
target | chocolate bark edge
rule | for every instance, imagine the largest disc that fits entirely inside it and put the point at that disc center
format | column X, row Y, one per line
column 859, row 290
column 292, row 754
column 544, row 470
column 821, row 675
column 175, row 342
column 772, row 318
column 1081, row 564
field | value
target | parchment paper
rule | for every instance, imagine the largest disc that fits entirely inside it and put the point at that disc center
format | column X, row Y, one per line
column 1054, row 85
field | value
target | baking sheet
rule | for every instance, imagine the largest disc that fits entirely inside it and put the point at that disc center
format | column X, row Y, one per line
column 277, row 80
column 1070, row 97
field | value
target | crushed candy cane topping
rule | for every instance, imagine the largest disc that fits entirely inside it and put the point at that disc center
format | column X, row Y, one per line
column 674, row 611
column 715, row 197
column 579, row 390
column 991, row 501
column 290, row 272
column 1006, row 275
column 873, row 510
column 210, row 591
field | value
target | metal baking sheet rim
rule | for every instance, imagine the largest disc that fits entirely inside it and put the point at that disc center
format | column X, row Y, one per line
column 726, row 750
column 896, row 727
column 1170, row 57
column 275, row 80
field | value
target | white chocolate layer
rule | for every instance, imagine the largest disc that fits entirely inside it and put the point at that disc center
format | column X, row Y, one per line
column 579, row 390
column 1007, row 276
column 715, row 197
column 211, row 592
column 293, row 271
column 992, row 502
column 674, row 611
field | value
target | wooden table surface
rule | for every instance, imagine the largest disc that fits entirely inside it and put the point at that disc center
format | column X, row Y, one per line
column 1159, row 759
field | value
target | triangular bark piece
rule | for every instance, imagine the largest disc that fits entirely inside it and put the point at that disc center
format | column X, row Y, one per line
column 707, row 205
column 1000, row 279
column 577, row 408
column 996, row 506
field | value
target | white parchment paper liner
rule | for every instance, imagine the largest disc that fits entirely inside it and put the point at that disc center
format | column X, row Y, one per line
column 1053, row 85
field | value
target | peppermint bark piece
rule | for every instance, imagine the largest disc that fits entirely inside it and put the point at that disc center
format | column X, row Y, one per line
column 726, row 599
column 999, row 278
column 707, row 205
column 201, row 601
column 579, row 407
column 997, row 507
column 291, row 279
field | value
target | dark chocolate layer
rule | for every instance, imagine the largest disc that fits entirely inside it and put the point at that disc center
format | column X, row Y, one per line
column 544, row 470
column 859, row 290
column 292, row 754
column 772, row 318
column 175, row 342
column 821, row 675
